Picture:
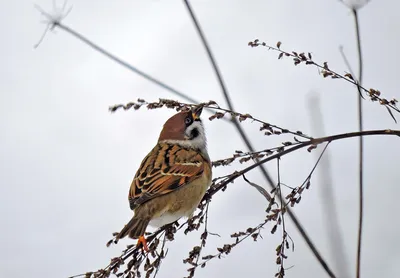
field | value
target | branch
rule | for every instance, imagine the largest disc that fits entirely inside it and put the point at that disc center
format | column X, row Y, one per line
column 312, row 142
column 354, row 9
column 299, row 58
column 222, row 184
column 361, row 146
column 280, row 250
column 123, row 63
column 268, row 128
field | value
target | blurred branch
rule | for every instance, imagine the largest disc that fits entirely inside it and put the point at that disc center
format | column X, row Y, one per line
column 123, row 63
column 328, row 204
column 361, row 145
column 55, row 21
column 224, row 89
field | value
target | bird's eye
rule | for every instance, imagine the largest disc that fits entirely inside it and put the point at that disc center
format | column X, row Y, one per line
column 188, row 120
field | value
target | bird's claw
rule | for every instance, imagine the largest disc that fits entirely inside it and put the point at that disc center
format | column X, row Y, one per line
column 142, row 243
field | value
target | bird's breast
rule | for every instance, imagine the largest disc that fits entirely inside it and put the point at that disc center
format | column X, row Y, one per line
column 182, row 202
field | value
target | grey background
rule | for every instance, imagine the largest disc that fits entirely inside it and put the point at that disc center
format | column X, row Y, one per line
column 66, row 163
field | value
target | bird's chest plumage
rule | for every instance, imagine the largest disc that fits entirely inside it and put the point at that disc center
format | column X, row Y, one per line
column 183, row 202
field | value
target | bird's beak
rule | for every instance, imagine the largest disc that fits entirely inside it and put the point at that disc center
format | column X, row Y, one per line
column 197, row 112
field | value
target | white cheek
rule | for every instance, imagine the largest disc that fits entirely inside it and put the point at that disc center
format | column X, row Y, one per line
column 200, row 141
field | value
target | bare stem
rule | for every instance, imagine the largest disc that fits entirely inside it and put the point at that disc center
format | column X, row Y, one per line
column 298, row 58
column 282, row 255
column 361, row 144
column 315, row 141
column 247, row 140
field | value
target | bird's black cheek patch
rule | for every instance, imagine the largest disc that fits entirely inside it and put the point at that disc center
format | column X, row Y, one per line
column 194, row 133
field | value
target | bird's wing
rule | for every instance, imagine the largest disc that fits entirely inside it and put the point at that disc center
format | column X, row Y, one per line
column 166, row 168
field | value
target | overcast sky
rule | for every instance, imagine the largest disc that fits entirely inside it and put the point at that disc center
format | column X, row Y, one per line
column 66, row 163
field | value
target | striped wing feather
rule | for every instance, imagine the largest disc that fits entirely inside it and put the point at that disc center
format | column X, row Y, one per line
column 166, row 168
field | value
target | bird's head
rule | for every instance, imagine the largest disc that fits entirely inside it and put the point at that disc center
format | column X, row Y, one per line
column 186, row 129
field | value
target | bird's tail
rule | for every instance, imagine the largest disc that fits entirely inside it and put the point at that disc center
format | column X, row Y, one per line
column 135, row 228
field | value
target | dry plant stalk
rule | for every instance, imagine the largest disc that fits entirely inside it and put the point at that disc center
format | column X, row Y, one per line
column 306, row 58
column 279, row 199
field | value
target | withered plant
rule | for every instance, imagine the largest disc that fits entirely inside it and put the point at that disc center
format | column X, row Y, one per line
column 281, row 199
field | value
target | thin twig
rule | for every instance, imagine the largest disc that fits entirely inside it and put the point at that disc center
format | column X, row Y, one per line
column 162, row 248
column 268, row 128
column 361, row 144
column 282, row 255
column 318, row 160
column 346, row 61
column 222, row 251
column 315, row 141
column 298, row 58
column 203, row 240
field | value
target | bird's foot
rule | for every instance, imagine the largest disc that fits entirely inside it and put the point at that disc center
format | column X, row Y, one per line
column 142, row 243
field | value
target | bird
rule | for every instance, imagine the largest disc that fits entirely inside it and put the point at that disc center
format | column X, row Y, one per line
column 172, row 179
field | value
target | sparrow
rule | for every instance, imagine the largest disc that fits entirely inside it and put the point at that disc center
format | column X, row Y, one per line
column 172, row 179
